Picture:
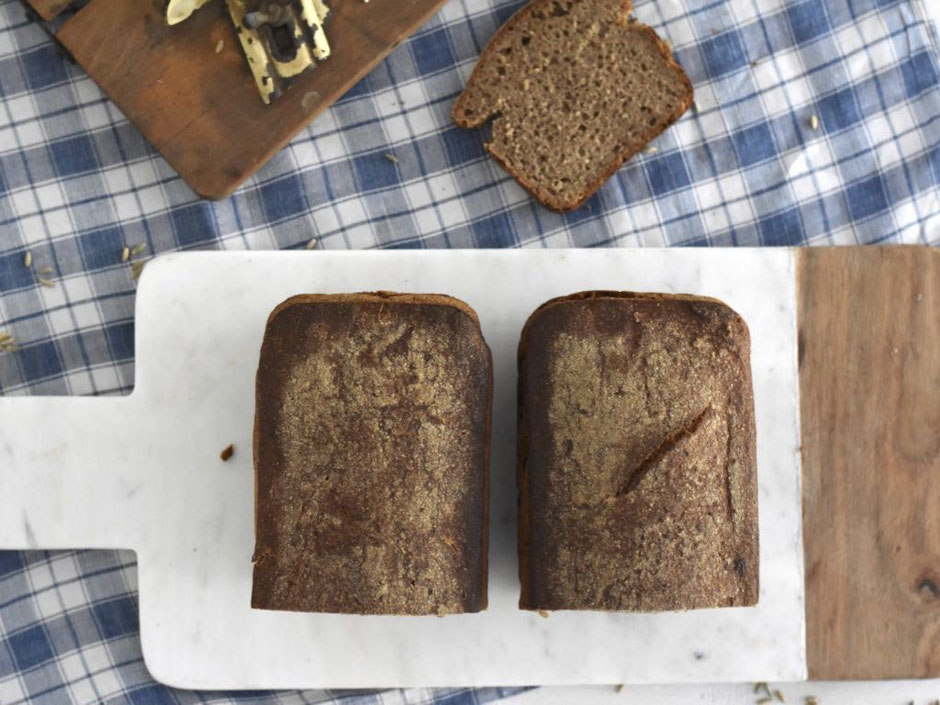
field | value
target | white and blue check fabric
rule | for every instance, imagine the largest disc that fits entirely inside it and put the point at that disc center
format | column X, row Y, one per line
column 816, row 122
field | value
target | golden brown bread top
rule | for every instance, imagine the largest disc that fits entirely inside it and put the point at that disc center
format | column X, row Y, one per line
column 376, row 297
column 637, row 455
column 371, row 447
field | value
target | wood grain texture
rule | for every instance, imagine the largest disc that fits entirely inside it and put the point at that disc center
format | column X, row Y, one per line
column 49, row 9
column 869, row 331
column 201, row 108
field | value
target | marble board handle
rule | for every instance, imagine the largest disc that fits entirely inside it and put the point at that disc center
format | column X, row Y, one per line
column 69, row 448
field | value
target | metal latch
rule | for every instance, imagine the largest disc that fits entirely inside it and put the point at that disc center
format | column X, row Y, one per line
column 281, row 38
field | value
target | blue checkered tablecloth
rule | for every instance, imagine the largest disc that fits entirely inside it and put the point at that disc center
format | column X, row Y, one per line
column 816, row 122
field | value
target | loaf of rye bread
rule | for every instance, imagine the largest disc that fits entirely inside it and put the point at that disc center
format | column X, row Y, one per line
column 574, row 89
column 371, row 450
column 636, row 468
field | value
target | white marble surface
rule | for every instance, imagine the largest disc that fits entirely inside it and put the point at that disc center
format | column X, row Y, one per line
column 143, row 472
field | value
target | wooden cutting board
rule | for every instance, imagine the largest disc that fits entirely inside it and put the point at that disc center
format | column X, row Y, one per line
column 199, row 107
column 868, row 345
column 869, row 354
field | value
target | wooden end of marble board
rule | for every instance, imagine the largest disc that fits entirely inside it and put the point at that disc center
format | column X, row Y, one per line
column 869, row 356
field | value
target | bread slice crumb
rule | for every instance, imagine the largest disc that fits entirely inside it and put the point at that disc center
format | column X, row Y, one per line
column 573, row 90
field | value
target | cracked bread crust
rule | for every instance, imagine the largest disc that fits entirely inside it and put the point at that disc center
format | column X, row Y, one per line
column 372, row 456
column 637, row 458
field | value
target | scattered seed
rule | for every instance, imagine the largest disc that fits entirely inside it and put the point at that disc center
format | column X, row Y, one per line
column 227, row 452
column 136, row 269
column 47, row 282
column 651, row 150
column 695, row 107
column 8, row 343
column 811, row 700
column 618, row 688
column 759, row 686
column 45, row 270
column 779, row 695
column 314, row 241
column 220, row 46
column 138, row 248
column 28, row 259
column 4, row 337
column 764, row 700
column 814, row 122
column 125, row 254
column 755, row 63
column 392, row 158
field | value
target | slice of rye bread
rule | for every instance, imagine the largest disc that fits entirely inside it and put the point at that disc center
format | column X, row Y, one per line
column 576, row 89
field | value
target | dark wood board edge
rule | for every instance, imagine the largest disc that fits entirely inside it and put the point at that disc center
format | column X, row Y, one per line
column 49, row 9
column 869, row 351
column 163, row 78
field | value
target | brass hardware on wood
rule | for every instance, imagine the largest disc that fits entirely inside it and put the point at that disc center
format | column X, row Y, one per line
column 281, row 38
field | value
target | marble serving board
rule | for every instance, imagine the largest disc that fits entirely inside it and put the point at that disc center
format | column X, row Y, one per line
column 143, row 472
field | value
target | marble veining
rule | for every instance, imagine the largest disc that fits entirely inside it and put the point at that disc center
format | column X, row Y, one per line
column 143, row 472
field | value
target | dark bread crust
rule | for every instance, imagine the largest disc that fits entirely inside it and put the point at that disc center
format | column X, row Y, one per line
column 636, row 455
column 371, row 450
column 465, row 117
